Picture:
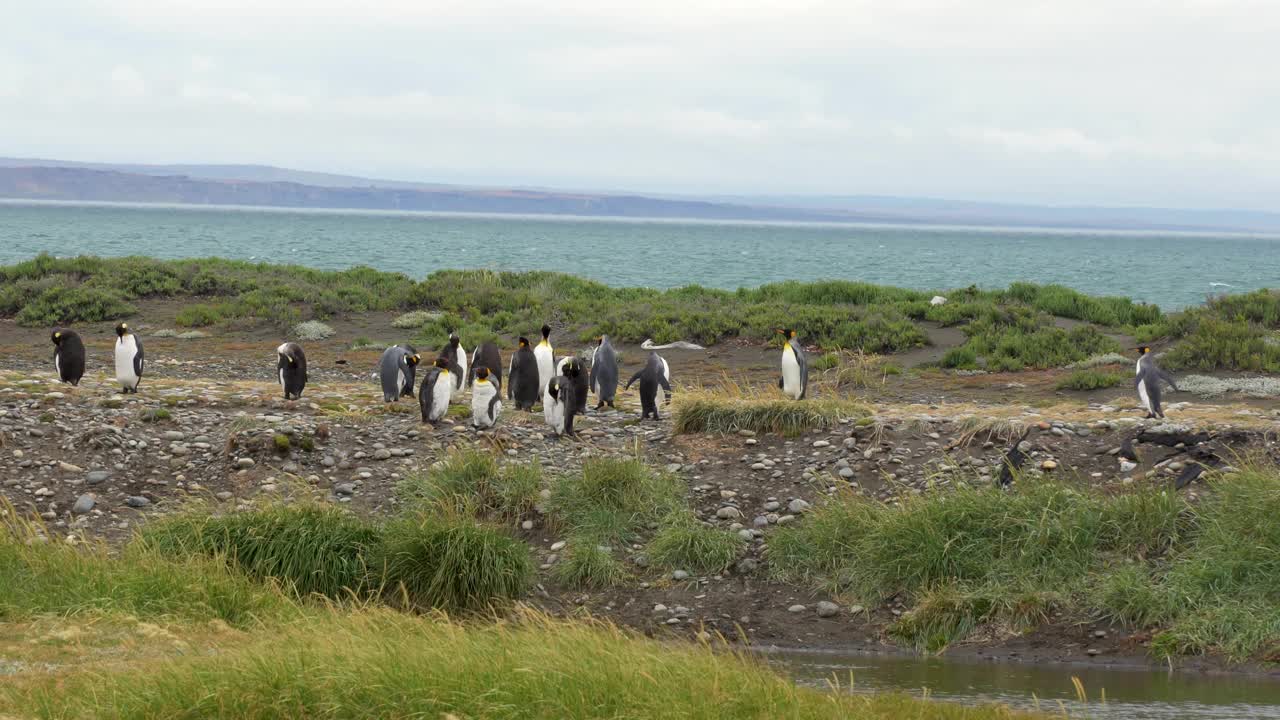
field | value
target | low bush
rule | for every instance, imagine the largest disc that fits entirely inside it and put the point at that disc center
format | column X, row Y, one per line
column 611, row 500
column 683, row 543
column 473, row 482
column 719, row 413
column 1090, row 380
column 66, row 305
column 452, row 563
column 587, row 564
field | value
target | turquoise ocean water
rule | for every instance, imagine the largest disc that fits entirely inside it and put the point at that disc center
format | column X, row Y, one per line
column 1170, row 269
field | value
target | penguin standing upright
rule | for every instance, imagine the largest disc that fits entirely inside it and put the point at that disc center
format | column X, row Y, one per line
column 795, row 367
column 292, row 369
column 553, row 407
column 546, row 359
column 396, row 370
column 604, row 373
column 68, row 356
column 486, row 355
column 654, row 373
column 580, row 379
column 1147, row 382
column 130, row 362
column 568, row 386
column 522, row 378
column 486, row 399
column 437, row 388
column 457, row 356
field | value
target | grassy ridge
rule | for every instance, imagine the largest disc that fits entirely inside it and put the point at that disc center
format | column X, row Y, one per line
column 1010, row 328
column 1205, row 577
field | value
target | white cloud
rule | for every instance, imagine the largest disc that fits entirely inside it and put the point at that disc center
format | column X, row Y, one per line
column 128, row 82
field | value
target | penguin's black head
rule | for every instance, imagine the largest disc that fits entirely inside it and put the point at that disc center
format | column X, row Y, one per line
column 524, row 342
column 413, row 360
column 482, row 374
column 600, row 340
column 1143, row 349
column 454, row 340
column 546, row 331
column 57, row 337
column 442, row 363
column 122, row 329
column 571, row 368
column 553, row 389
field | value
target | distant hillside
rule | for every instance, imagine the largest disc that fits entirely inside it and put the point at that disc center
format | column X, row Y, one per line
column 265, row 185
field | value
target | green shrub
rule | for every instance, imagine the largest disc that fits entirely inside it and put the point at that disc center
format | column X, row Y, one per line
column 453, row 563
column 198, row 316
column 1090, row 380
column 683, row 543
column 66, row 305
column 586, row 564
column 710, row 413
column 611, row 500
column 472, row 482
column 1225, row 345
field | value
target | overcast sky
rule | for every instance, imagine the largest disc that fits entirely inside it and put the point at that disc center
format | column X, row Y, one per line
column 1120, row 102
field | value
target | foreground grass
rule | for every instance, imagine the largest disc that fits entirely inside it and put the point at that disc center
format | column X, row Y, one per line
column 1205, row 577
column 730, row 412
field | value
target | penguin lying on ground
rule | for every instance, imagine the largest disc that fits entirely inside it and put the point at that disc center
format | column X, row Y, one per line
column 68, row 356
column 486, row 355
column 1147, row 382
column 437, row 388
column 580, row 382
column 486, row 399
column 522, row 378
column 1012, row 460
column 292, row 369
column 655, row 372
column 130, row 362
column 604, row 373
column 795, row 367
column 396, row 371
column 546, row 359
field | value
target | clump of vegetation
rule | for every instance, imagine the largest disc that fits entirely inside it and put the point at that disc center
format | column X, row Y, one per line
column 312, row 330
column 683, row 543
column 472, row 482
column 1004, row 340
column 611, row 500
column 154, row 415
column 1090, row 380
column 282, row 443
column 414, row 319
column 66, row 305
column 724, row 413
column 586, row 564
column 452, row 563
column 857, row 370
column 193, row 316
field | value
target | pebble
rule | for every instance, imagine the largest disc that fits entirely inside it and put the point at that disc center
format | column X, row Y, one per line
column 136, row 501
column 796, row 609
column 558, row 545
column 797, row 506
column 344, row 489
column 245, row 463
column 83, row 504
column 828, row 609
column 97, row 476
column 680, row 575
column 68, row 467
column 728, row 512
column 1049, row 465
column 821, row 443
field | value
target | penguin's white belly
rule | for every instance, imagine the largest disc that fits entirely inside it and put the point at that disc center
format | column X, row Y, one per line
column 481, row 394
column 440, row 394
column 281, row 378
column 462, row 366
column 399, row 381
column 125, row 353
column 666, row 375
column 553, row 413
column 546, row 365
column 57, row 365
column 791, row 382
column 1143, row 397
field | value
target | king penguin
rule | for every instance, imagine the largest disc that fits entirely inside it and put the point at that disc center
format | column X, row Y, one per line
column 546, row 359
column 396, row 370
column 522, row 378
column 1147, row 382
column 68, row 356
column 553, row 407
column 604, row 373
column 292, row 369
column 457, row 356
column 654, row 373
column 571, row 367
column 795, row 367
column 486, row 355
column 130, row 361
column 437, row 388
column 486, row 399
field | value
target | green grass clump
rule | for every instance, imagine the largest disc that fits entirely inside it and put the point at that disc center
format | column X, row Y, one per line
column 1065, row 302
column 414, row 319
column 611, row 500
column 194, row 316
column 473, row 482
column 155, row 415
column 306, row 548
column 1090, row 380
column 66, row 305
column 375, row 664
column 312, row 330
column 587, row 564
column 39, row 576
column 453, row 563
column 1216, row 344
column 1011, row 340
column 712, row 413
column 683, row 543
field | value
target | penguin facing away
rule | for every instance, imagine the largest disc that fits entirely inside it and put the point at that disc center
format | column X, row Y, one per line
column 1147, row 380
column 437, row 388
column 546, row 359
column 522, row 378
column 553, row 407
column 486, row 399
column 68, row 356
column 795, row 367
column 604, row 372
column 458, row 354
column 396, row 370
column 655, row 373
column 486, row 355
column 292, row 369
column 130, row 361
column 568, row 386
column 580, row 382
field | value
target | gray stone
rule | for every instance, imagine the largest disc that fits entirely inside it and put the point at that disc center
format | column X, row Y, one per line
column 797, row 506
column 136, row 501
column 796, row 609
column 83, row 504
column 244, row 463
column 728, row 512
column 97, row 476
column 344, row 489
column 680, row 575
column 828, row 609
column 745, row 566
column 846, row 472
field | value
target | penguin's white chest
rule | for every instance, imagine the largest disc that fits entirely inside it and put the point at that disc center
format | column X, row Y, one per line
column 553, row 412
column 546, row 364
column 441, row 391
column 481, row 394
column 1143, row 397
column 126, row 350
column 791, row 381
column 281, row 378
column 463, row 364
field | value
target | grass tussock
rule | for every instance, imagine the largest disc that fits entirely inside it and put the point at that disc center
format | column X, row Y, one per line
column 452, row 564
column 586, row 564
column 707, row 412
column 376, row 664
column 611, row 500
column 1202, row 575
column 473, row 482
column 683, row 543
column 1086, row 380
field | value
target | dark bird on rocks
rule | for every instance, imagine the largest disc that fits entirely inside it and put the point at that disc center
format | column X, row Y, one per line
column 1013, row 459
column 1202, row 460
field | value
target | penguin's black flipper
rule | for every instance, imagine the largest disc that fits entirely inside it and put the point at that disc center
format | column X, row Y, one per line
column 633, row 379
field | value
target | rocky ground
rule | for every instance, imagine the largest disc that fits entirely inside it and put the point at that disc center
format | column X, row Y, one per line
column 209, row 426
